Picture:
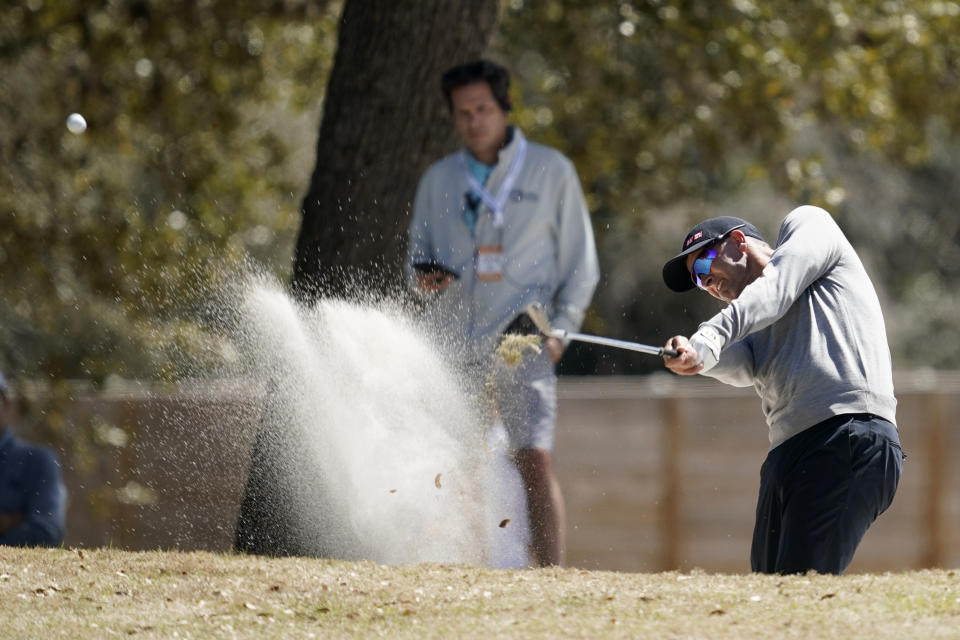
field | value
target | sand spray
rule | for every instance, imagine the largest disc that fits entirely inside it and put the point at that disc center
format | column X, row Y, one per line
column 386, row 455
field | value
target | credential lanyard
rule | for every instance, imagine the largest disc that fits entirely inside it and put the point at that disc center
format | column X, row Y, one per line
column 498, row 202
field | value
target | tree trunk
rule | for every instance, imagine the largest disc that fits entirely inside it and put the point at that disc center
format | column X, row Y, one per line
column 384, row 121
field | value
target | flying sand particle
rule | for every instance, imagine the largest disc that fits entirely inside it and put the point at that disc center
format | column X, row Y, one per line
column 512, row 347
column 277, row 339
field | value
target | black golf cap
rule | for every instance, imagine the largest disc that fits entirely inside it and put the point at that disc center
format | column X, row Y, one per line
column 675, row 273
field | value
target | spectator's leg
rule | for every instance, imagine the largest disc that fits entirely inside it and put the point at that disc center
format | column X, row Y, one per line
column 544, row 505
column 527, row 398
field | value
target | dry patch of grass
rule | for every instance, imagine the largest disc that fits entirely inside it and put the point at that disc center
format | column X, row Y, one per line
column 107, row 593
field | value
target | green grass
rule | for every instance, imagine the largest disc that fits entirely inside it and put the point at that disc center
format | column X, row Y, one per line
column 110, row 593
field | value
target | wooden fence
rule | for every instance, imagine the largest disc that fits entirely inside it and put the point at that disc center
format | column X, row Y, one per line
column 658, row 472
column 663, row 472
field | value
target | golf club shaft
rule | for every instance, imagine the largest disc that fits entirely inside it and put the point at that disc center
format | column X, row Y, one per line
column 611, row 342
column 539, row 317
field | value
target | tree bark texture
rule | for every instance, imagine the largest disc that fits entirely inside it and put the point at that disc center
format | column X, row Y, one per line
column 384, row 121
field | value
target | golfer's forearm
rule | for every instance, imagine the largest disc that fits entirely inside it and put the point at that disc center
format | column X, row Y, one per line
column 735, row 366
column 708, row 344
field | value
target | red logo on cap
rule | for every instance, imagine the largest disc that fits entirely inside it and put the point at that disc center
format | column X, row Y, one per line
column 696, row 236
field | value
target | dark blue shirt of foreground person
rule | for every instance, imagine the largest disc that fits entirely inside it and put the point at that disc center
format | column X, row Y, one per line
column 32, row 496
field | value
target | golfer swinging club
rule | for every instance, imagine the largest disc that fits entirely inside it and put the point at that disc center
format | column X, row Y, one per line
column 802, row 325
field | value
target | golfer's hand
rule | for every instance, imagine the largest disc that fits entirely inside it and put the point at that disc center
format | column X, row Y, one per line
column 554, row 347
column 685, row 364
column 431, row 283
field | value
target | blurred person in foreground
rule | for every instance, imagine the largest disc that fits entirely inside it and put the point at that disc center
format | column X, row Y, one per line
column 497, row 225
column 32, row 496
column 803, row 325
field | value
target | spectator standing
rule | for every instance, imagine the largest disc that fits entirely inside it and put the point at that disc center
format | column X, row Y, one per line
column 497, row 225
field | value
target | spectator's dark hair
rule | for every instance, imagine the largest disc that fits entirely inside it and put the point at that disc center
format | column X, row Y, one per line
column 478, row 71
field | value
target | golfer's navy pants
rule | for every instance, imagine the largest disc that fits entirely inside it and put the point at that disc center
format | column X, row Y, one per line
column 819, row 492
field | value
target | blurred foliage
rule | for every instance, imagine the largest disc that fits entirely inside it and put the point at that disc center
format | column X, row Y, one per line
column 113, row 240
column 677, row 110
column 202, row 116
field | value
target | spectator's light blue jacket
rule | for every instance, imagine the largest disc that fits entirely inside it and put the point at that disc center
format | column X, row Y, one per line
column 547, row 240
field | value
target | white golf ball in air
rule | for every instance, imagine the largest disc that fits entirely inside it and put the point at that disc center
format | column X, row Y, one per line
column 76, row 123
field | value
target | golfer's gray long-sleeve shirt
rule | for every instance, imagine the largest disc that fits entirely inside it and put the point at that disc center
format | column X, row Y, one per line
column 808, row 334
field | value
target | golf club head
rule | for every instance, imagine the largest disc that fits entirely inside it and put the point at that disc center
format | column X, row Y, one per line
column 539, row 316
